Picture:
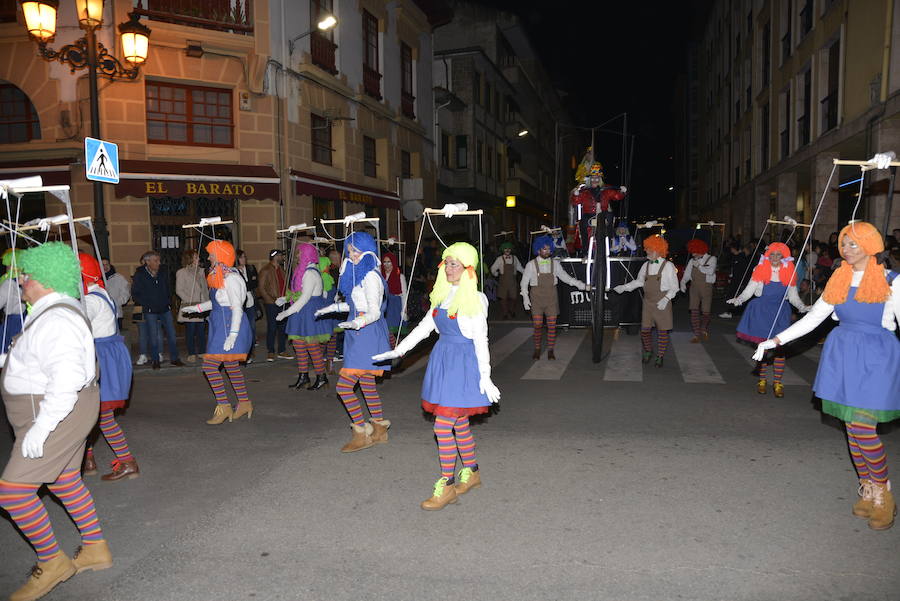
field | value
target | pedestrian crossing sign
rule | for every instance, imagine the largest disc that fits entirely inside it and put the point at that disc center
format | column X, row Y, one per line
column 101, row 160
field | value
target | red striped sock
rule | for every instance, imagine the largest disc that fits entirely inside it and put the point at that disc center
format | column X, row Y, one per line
column 370, row 394
column 77, row 499
column 662, row 342
column 763, row 370
column 872, row 450
column 114, row 435
column 778, row 368
column 538, row 322
column 646, row 338
column 233, row 369
column 856, row 455
column 551, row 332
column 300, row 355
column 344, row 388
column 465, row 442
column 695, row 322
column 331, row 347
column 393, row 339
column 24, row 507
column 443, row 431
column 216, row 381
column 704, row 322
column 318, row 359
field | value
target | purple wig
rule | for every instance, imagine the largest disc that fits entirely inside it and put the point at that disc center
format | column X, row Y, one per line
column 307, row 255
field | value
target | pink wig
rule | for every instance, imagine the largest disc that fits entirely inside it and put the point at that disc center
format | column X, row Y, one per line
column 307, row 255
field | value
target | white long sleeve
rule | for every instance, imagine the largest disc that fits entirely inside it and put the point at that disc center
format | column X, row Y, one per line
column 119, row 290
column 809, row 322
column 637, row 282
column 311, row 286
column 367, row 297
column 561, row 274
column 794, row 298
column 496, row 266
column 100, row 314
column 753, row 288
column 419, row 333
column 402, row 285
column 232, row 295
column 707, row 266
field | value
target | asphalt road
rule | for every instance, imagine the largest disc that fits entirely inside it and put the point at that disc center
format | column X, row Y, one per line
column 594, row 488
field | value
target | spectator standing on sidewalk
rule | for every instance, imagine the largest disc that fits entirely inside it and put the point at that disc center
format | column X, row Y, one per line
column 150, row 288
column 271, row 287
column 251, row 279
column 740, row 261
column 119, row 289
column 190, row 286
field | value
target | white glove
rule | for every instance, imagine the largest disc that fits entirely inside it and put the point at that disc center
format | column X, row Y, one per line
column 2, row 359
column 450, row 209
column 280, row 301
column 582, row 286
column 527, row 303
column 883, row 160
column 620, row 289
column 190, row 309
column 805, row 309
column 281, row 316
column 321, row 312
column 663, row 303
column 386, row 356
column 353, row 218
column 33, row 442
column 348, row 325
column 623, row 189
column 487, row 387
column 229, row 341
column 733, row 301
column 683, row 287
column 761, row 349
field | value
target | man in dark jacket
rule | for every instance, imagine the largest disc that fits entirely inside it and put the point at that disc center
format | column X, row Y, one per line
column 151, row 289
column 740, row 261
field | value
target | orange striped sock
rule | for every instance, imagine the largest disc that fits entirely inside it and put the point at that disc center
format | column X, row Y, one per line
column 216, row 382
column 465, row 442
column 856, row 455
column 114, row 435
column 77, row 499
column 370, row 393
column 25, row 508
column 872, row 450
column 318, row 359
column 233, row 369
column 300, row 355
column 344, row 388
column 551, row 332
column 443, row 431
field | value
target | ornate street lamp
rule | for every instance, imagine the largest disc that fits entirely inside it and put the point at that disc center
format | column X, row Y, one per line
column 88, row 53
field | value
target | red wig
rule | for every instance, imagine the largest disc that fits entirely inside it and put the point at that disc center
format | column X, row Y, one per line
column 393, row 280
column 657, row 244
column 90, row 271
column 697, row 247
column 786, row 274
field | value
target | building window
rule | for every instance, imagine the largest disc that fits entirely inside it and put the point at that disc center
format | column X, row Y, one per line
column 785, row 131
column 500, row 174
column 489, row 162
column 764, row 137
column 189, row 115
column 405, row 165
column 321, row 43
column 479, row 157
column 370, row 165
column 327, row 208
column 445, row 149
column 18, row 118
column 476, row 88
column 829, row 104
column 321, row 139
column 766, row 53
column 488, row 97
column 806, row 17
column 407, row 99
column 806, row 107
column 371, row 72
column 462, row 152
column 787, row 18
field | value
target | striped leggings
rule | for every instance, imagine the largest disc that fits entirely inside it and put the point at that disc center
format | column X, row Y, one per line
column 114, row 436
column 538, row 322
column 867, row 452
column 304, row 351
column 777, row 369
column 662, row 341
column 449, row 444
column 346, row 384
column 217, row 383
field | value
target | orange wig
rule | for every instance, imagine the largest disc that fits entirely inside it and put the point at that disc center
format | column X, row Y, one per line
column 657, row 244
column 874, row 287
column 90, row 271
column 225, row 255
column 786, row 274
column 697, row 247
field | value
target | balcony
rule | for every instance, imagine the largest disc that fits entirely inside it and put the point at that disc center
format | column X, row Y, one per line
column 408, row 104
column 323, row 52
column 232, row 16
column 372, row 82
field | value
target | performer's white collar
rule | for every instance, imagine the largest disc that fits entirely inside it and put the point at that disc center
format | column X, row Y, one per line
column 51, row 299
column 363, row 254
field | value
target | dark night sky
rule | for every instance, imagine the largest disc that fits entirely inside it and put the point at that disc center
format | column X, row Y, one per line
column 615, row 57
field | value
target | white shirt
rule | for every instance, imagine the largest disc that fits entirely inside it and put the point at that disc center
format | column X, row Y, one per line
column 367, row 297
column 707, row 266
column 54, row 357
column 620, row 243
column 119, row 290
column 232, row 294
column 755, row 288
column 311, row 285
column 821, row 310
column 103, row 320
column 498, row 267
column 11, row 297
column 530, row 275
column 473, row 327
column 668, row 281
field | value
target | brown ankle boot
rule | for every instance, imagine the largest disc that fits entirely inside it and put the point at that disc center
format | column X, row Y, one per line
column 127, row 469
column 551, row 355
column 44, row 576
column 536, row 354
column 883, row 508
column 380, row 430
column 223, row 411
column 362, row 439
column 245, row 408
column 443, row 495
column 92, row 557
column 467, row 479
column 90, row 465
column 863, row 507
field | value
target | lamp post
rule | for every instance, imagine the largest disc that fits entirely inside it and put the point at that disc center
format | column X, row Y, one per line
column 88, row 53
column 325, row 23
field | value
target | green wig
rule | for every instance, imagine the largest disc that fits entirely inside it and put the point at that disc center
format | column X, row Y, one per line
column 506, row 245
column 54, row 265
column 11, row 259
column 327, row 279
column 466, row 302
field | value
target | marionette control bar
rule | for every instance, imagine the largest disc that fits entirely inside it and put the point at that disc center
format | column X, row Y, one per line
column 44, row 224
column 296, row 228
column 793, row 223
column 440, row 212
column 366, row 220
column 205, row 222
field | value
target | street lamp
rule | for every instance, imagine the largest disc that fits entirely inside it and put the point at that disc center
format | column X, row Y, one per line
column 327, row 22
column 522, row 133
column 88, row 53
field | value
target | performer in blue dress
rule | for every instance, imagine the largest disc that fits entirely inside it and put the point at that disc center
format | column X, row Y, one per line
column 229, row 339
column 458, row 379
column 327, row 267
column 115, row 372
column 768, row 312
column 305, row 332
column 365, row 334
column 10, row 300
column 396, row 290
column 859, row 373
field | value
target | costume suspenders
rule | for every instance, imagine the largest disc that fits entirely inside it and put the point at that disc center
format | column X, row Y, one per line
column 109, row 303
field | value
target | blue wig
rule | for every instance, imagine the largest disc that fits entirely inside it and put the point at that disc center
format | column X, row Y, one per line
column 540, row 242
column 352, row 275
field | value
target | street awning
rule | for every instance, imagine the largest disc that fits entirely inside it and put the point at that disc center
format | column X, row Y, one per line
column 323, row 187
column 53, row 172
column 161, row 178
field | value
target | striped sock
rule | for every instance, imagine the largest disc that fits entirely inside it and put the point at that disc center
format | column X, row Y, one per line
column 392, row 339
column 646, row 338
column 344, row 388
column 77, row 499
column 114, row 435
column 778, row 368
column 551, row 332
column 331, row 347
column 662, row 342
column 443, row 431
column 216, row 382
column 26, row 510
column 872, row 450
column 233, row 369
column 695, row 322
column 300, row 355
column 465, row 442
column 763, row 370
column 704, row 322
column 370, row 394
column 318, row 359
column 538, row 322
column 856, row 455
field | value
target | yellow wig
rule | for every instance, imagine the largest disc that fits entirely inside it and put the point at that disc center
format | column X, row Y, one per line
column 466, row 302
column 874, row 287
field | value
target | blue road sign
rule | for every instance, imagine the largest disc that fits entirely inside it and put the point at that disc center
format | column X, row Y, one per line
column 101, row 160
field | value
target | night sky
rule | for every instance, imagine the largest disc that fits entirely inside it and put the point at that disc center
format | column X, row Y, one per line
column 615, row 57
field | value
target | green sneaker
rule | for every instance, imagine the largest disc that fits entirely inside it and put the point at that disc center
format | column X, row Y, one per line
column 645, row 356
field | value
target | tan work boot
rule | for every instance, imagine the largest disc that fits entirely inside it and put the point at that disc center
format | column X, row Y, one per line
column 863, row 507
column 467, row 479
column 380, row 430
column 883, row 507
column 223, row 411
column 44, row 576
column 89, row 468
column 245, row 408
column 122, row 469
column 442, row 496
column 362, row 439
column 92, row 557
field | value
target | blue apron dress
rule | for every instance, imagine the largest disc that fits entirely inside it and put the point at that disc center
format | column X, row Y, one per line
column 12, row 325
column 115, row 365
column 860, row 365
column 303, row 324
column 219, row 326
column 452, row 379
column 360, row 345
column 756, row 322
column 394, row 312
